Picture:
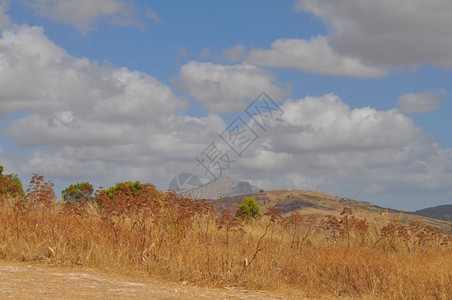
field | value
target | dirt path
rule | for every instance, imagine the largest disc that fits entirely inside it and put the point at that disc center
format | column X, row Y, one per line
column 31, row 281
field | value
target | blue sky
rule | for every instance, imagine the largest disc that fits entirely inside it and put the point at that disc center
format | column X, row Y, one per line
column 112, row 90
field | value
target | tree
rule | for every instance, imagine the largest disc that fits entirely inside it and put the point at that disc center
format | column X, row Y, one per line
column 78, row 191
column 122, row 187
column 248, row 209
column 10, row 185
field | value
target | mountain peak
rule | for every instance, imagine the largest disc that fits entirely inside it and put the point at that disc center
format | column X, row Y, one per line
column 226, row 186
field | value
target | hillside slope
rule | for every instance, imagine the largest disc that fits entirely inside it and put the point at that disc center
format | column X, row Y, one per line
column 442, row 212
column 322, row 205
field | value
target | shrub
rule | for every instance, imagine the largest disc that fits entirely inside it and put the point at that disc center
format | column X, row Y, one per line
column 248, row 209
column 10, row 185
column 78, row 191
column 124, row 187
column 40, row 191
column 162, row 234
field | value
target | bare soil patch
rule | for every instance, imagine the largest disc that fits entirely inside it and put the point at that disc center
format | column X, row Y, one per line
column 40, row 281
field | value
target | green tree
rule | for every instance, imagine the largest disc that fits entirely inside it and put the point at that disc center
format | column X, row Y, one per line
column 10, row 185
column 78, row 191
column 121, row 187
column 248, row 209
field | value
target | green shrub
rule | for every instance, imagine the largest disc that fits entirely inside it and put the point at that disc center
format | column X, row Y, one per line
column 124, row 187
column 248, row 209
column 10, row 185
column 78, row 191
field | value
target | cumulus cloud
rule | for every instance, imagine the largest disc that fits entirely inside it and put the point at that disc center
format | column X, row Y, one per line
column 224, row 89
column 314, row 55
column 151, row 152
column 86, row 121
column 327, row 124
column 83, row 14
column 416, row 103
column 366, row 38
column 152, row 157
column 99, row 116
column 37, row 75
column 409, row 32
column 341, row 149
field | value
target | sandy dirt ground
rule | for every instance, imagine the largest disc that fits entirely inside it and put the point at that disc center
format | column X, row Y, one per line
column 40, row 281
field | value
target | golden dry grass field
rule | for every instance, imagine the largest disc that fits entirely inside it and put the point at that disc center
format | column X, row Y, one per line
column 152, row 234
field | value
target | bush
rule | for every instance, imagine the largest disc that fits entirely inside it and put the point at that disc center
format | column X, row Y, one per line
column 10, row 185
column 124, row 187
column 180, row 239
column 248, row 209
column 40, row 191
column 78, row 191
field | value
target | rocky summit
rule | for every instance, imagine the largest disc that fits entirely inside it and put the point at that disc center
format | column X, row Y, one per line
column 226, row 186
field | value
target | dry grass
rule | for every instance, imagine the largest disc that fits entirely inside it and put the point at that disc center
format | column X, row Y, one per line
column 179, row 239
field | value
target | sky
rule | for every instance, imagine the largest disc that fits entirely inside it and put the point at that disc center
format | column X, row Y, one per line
column 346, row 97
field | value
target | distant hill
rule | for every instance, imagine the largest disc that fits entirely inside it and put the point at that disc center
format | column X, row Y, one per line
column 226, row 186
column 319, row 204
column 442, row 212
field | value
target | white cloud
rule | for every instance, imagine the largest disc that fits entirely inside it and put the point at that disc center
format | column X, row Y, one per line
column 83, row 14
column 93, row 122
column 37, row 75
column 152, row 152
column 415, row 103
column 366, row 38
column 314, row 55
column 343, row 149
column 100, row 117
column 224, row 89
column 142, row 97
column 26, row 81
column 328, row 124
column 235, row 53
column 65, row 128
column 404, row 33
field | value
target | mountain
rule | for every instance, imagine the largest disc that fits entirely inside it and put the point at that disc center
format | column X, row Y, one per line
column 226, row 186
column 442, row 212
column 310, row 203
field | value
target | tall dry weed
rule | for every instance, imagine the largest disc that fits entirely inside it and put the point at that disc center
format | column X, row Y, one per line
column 158, row 233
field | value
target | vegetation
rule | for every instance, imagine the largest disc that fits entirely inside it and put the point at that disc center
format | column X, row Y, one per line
column 123, row 187
column 146, row 231
column 248, row 209
column 441, row 212
column 78, row 192
column 10, row 185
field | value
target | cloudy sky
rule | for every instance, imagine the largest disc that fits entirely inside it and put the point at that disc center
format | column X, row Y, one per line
column 113, row 90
